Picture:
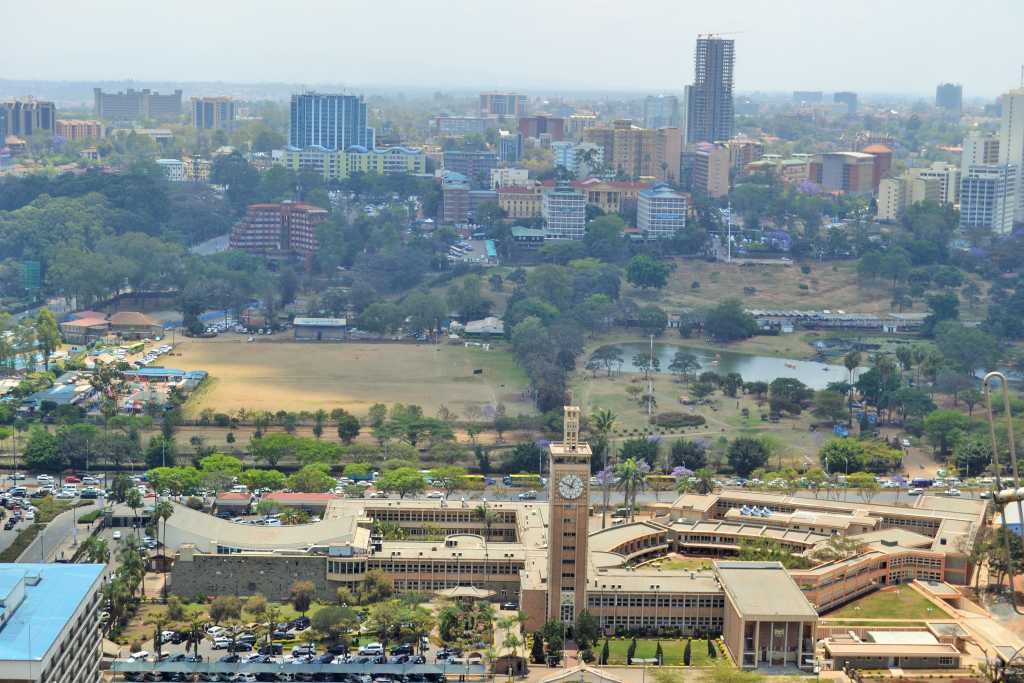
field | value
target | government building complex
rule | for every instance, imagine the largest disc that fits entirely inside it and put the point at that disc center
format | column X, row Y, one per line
column 553, row 559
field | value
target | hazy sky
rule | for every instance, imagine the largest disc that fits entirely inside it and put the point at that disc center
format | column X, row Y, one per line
column 781, row 45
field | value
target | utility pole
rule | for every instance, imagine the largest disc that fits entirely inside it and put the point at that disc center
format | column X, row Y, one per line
column 650, row 381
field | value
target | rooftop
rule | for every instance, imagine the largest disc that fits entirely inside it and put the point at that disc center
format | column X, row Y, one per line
column 763, row 589
column 320, row 322
column 33, row 612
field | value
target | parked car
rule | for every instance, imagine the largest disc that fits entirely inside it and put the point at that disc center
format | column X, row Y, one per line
column 527, row 495
column 221, row 643
column 307, row 650
column 371, row 649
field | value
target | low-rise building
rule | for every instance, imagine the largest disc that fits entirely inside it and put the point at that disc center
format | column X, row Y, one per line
column 174, row 169
column 509, row 177
column 134, row 325
column 341, row 164
column 527, row 238
column 75, row 129
column 320, row 329
column 521, row 202
column 49, row 622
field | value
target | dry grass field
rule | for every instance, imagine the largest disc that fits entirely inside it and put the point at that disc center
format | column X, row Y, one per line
column 283, row 375
column 829, row 285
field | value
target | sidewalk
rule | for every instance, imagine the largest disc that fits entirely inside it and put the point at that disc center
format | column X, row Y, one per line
column 58, row 539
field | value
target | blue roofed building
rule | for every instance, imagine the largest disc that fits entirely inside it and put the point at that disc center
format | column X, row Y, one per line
column 49, row 629
column 660, row 212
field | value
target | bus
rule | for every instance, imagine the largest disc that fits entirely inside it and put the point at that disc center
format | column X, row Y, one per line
column 522, row 480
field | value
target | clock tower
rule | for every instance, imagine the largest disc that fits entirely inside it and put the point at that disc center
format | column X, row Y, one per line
column 568, row 521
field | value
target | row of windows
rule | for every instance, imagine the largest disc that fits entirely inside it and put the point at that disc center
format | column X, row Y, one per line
column 677, row 601
column 446, row 515
column 399, row 567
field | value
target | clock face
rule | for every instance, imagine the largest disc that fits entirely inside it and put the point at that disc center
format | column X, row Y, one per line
column 570, row 486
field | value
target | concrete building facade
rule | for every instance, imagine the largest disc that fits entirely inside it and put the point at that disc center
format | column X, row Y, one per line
column 988, row 197
column 27, row 117
column 49, row 628
column 278, row 229
column 76, row 129
column 709, row 106
column 711, row 165
column 565, row 213
column 661, row 212
column 134, row 104
column 339, row 165
column 212, row 113
column 503, row 104
column 332, row 121
column 639, row 152
column 475, row 167
column 949, row 97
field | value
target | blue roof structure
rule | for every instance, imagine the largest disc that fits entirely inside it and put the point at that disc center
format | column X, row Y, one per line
column 36, row 602
column 155, row 372
column 489, row 248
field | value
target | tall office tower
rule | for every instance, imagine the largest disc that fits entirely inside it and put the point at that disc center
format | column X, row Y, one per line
column 211, row 113
column 25, row 117
column 709, row 104
column 334, row 122
column 1011, row 142
column 847, row 98
column 568, row 531
column 502, row 104
column 661, row 111
column 950, row 96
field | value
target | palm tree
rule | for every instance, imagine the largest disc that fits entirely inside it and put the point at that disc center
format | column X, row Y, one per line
column 133, row 499
column 96, row 550
column 162, row 512
column 603, row 422
column 852, row 362
column 487, row 516
column 630, row 478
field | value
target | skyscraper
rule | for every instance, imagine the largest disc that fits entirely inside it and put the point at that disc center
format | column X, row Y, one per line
column 25, row 117
column 847, row 98
column 949, row 96
column 1011, row 142
column 709, row 107
column 334, row 122
column 661, row 111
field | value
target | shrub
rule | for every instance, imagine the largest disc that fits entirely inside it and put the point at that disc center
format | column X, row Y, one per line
column 221, row 419
column 90, row 517
column 806, row 270
column 677, row 420
column 194, row 503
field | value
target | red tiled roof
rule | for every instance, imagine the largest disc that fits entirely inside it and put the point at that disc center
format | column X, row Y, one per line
column 877, row 149
column 230, row 495
column 131, row 318
column 86, row 322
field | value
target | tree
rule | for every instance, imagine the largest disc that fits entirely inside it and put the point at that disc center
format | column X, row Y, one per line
column 537, row 648
column 683, row 363
column 728, row 321
column 686, row 653
column 787, row 394
column 348, row 427
column 829, row 405
column 272, row 480
column 865, row 483
column 587, row 630
column 95, row 550
column 647, row 273
column 640, row 449
column 688, row 454
column 747, row 454
column 41, row 453
column 630, row 478
column 403, row 481
column 652, row 320
column 313, row 478
column 335, row 621
column 301, row 595
column 163, row 511
column 944, row 427
column 47, row 335
column 447, row 477
column 944, row 306
column 972, row 456
column 225, row 608
column 385, row 619
column 966, row 348
column 852, row 361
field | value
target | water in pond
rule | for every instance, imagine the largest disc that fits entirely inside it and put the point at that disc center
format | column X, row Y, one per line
column 752, row 368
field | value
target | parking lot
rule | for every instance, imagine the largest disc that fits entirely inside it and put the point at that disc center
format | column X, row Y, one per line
column 223, row 655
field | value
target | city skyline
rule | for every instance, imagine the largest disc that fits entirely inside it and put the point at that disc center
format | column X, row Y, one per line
column 221, row 46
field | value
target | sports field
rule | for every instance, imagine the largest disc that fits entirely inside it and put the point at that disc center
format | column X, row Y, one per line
column 292, row 376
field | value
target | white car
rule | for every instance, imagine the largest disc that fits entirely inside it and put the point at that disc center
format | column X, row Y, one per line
column 139, row 655
column 117, row 536
column 66, row 495
column 435, row 495
column 955, row 493
column 372, row 649
column 915, row 492
column 905, row 442
column 221, row 643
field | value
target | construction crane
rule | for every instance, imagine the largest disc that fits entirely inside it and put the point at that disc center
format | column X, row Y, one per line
column 710, row 36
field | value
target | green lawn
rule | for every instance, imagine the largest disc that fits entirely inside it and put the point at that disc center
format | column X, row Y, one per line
column 901, row 602
column 645, row 649
column 682, row 563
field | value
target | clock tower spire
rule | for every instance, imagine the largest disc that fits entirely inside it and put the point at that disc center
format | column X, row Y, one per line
column 568, row 521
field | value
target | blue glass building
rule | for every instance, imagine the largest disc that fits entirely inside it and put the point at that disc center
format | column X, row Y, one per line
column 334, row 122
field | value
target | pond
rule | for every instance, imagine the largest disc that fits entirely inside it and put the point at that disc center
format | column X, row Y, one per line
column 751, row 367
